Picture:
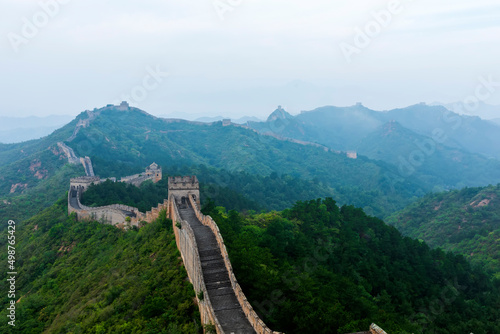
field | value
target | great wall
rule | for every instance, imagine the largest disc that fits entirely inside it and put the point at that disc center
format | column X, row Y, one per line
column 221, row 300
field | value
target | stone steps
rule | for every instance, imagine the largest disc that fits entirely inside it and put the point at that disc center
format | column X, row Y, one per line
column 222, row 297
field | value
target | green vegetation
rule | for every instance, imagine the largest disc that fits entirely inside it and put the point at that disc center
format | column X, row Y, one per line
column 122, row 142
column 85, row 277
column 316, row 268
column 438, row 166
column 464, row 221
column 145, row 197
column 231, row 190
column 41, row 196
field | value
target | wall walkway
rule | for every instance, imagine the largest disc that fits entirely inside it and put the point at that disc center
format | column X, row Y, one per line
column 209, row 269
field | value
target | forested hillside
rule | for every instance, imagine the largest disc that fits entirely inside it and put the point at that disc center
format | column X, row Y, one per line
column 318, row 268
column 44, row 194
column 314, row 268
column 239, row 191
column 122, row 142
column 438, row 148
column 85, row 277
column 464, row 221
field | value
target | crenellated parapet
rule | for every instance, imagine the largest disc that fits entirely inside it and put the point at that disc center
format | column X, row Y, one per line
column 258, row 325
column 153, row 172
column 115, row 214
column 220, row 298
column 374, row 329
column 182, row 187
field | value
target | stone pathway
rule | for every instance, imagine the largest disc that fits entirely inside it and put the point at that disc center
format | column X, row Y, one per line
column 227, row 309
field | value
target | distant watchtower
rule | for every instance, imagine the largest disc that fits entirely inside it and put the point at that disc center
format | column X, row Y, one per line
column 154, row 172
column 182, row 187
column 124, row 106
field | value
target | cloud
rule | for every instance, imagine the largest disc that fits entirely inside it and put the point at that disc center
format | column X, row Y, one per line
column 100, row 48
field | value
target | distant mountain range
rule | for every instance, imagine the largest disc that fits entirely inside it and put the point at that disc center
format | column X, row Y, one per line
column 344, row 128
column 481, row 109
column 241, row 120
column 402, row 154
column 430, row 143
column 122, row 142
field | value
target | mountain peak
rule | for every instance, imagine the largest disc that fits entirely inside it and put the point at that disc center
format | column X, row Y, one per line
column 279, row 113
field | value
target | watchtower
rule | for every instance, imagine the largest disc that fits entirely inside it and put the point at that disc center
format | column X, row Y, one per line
column 154, row 172
column 83, row 182
column 181, row 187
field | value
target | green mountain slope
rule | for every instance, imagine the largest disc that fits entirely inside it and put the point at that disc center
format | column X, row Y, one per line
column 85, row 277
column 123, row 142
column 117, row 140
column 429, row 143
column 464, row 221
column 428, row 160
column 42, row 195
column 317, row 268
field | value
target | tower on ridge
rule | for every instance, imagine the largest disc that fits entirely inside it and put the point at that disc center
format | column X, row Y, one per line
column 182, row 187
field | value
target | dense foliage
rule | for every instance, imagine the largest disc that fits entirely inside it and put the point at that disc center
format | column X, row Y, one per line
column 464, row 221
column 120, row 142
column 316, row 268
column 145, row 197
column 42, row 195
column 85, row 277
column 238, row 191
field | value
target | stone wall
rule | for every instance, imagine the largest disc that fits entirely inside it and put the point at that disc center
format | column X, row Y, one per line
column 188, row 188
column 182, row 187
column 374, row 329
column 114, row 214
column 84, row 182
column 153, row 172
column 186, row 242
column 258, row 325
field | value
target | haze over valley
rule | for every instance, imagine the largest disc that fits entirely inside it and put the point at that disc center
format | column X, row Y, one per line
column 221, row 166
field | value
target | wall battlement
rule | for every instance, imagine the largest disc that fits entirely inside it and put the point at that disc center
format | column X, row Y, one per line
column 153, row 172
column 182, row 187
column 116, row 214
column 183, row 196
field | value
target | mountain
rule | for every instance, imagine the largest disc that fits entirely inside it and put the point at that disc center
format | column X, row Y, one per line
column 481, row 109
column 495, row 121
column 464, row 221
column 336, row 127
column 241, row 120
column 428, row 159
column 19, row 129
column 279, row 114
column 121, row 142
column 468, row 132
column 311, row 267
column 439, row 148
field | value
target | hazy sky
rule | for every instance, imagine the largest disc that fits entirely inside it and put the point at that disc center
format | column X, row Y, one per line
column 244, row 57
